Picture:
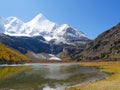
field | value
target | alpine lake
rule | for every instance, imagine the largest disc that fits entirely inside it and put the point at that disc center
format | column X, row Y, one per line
column 46, row 76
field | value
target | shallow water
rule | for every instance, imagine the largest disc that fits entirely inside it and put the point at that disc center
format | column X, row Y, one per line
column 45, row 76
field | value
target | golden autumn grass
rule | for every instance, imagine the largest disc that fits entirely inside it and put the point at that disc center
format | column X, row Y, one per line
column 111, row 82
column 7, row 54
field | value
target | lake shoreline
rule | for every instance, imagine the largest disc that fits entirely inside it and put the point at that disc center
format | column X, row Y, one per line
column 88, row 81
column 110, row 82
column 107, row 67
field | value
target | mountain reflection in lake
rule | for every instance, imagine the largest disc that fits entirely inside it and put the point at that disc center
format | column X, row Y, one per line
column 44, row 76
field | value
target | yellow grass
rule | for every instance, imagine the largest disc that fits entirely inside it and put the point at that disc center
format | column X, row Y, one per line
column 111, row 82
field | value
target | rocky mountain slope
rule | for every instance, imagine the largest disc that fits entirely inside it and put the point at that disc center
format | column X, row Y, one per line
column 34, row 47
column 35, row 44
column 8, row 56
column 105, row 47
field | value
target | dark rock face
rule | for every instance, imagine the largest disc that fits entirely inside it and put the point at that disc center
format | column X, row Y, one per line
column 34, row 44
column 24, row 44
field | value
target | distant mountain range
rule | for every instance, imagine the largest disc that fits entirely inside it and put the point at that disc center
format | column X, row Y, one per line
column 41, row 39
column 41, row 26
column 40, row 36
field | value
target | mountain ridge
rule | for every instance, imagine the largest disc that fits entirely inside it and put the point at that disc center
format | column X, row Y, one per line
column 41, row 26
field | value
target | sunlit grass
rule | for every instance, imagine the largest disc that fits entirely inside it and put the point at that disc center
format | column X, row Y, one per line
column 111, row 82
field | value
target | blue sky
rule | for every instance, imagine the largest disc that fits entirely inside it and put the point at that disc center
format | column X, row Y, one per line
column 89, row 16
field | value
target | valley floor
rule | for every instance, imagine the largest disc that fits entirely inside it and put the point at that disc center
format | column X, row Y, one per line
column 111, row 82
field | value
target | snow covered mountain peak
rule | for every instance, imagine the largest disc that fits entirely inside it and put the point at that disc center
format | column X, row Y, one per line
column 40, row 26
column 38, row 19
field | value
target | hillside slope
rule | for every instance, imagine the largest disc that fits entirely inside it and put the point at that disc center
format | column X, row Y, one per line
column 8, row 56
column 105, row 47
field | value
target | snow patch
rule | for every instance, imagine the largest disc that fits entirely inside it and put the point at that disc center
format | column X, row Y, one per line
column 53, row 57
column 47, row 38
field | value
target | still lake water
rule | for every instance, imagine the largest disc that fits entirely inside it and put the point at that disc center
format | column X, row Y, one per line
column 46, row 76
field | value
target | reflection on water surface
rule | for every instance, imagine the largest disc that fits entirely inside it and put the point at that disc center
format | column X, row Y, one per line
column 44, row 77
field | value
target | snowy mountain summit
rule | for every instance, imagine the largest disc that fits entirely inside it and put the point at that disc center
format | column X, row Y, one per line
column 41, row 26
